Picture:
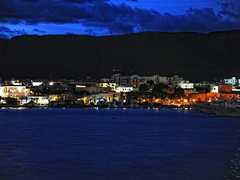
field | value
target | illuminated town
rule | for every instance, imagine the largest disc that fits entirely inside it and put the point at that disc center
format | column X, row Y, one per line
column 116, row 91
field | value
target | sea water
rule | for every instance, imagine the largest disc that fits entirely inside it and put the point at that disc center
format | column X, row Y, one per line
column 117, row 144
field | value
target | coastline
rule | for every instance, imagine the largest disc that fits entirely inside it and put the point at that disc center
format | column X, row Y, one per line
column 139, row 106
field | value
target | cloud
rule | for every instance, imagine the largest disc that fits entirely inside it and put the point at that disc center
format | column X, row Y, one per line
column 33, row 1
column 230, row 10
column 103, row 15
column 20, row 31
column 11, row 32
column 4, row 29
column 39, row 31
column 83, row 1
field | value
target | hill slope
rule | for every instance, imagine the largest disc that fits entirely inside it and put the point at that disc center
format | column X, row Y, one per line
column 191, row 55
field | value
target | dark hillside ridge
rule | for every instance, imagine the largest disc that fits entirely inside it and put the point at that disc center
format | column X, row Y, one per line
column 191, row 55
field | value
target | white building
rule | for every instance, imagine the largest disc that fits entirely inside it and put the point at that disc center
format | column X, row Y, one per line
column 124, row 89
column 39, row 100
column 16, row 82
column 213, row 89
column 185, row 85
column 231, row 80
column 37, row 83
column 14, row 91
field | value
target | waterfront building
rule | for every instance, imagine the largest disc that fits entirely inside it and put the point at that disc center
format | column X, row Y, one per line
column 38, row 100
column 214, row 88
column 14, row 91
column 225, row 88
column 101, row 98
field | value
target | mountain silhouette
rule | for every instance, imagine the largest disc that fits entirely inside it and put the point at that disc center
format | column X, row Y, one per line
column 194, row 56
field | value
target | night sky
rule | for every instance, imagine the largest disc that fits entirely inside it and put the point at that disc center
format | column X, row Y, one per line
column 113, row 17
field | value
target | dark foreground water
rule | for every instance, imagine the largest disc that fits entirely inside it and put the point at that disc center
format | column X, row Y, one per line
column 112, row 144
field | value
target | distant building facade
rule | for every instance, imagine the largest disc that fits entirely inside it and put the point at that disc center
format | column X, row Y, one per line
column 14, row 91
column 174, row 80
column 185, row 85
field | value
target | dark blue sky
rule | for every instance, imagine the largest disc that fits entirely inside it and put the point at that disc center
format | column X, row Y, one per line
column 111, row 17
